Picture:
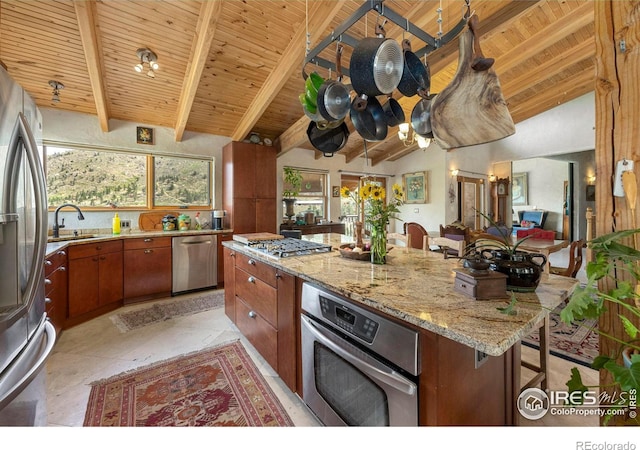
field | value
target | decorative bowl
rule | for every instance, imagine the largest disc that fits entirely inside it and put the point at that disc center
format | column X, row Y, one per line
column 346, row 251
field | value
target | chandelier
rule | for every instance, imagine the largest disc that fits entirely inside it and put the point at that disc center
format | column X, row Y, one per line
column 56, row 85
column 403, row 135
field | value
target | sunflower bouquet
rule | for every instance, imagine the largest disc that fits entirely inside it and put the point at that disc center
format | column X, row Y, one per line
column 377, row 213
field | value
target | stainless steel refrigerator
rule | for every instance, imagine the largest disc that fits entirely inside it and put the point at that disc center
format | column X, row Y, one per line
column 26, row 336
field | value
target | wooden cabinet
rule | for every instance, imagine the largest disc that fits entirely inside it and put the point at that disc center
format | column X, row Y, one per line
column 249, row 185
column 229, row 257
column 264, row 311
column 147, row 268
column 95, row 277
column 220, row 260
column 56, row 288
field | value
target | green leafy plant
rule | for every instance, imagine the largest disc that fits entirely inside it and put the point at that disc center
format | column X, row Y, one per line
column 293, row 182
column 504, row 243
column 612, row 258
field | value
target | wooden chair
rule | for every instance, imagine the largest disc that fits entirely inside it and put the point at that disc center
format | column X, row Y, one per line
column 416, row 233
column 575, row 261
column 397, row 237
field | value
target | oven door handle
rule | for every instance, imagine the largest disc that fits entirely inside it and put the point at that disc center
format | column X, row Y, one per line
column 374, row 369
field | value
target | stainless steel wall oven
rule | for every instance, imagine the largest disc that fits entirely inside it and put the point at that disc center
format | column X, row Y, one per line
column 358, row 368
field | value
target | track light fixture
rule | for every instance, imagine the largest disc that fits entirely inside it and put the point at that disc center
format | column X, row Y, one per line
column 149, row 60
column 56, row 85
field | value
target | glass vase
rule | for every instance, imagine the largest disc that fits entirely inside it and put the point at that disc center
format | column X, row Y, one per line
column 378, row 245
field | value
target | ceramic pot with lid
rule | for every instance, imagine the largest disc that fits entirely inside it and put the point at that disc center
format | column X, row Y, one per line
column 184, row 222
column 169, row 223
column 523, row 269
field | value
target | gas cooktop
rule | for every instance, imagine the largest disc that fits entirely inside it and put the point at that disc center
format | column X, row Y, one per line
column 287, row 247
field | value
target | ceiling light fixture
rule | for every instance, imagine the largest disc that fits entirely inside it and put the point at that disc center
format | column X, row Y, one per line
column 148, row 59
column 57, row 86
column 403, row 135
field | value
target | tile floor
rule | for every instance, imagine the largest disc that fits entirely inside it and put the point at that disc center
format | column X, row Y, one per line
column 97, row 349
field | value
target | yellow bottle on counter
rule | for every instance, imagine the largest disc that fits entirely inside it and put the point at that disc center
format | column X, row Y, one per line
column 116, row 224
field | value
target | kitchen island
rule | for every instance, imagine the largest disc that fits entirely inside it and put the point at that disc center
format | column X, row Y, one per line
column 416, row 288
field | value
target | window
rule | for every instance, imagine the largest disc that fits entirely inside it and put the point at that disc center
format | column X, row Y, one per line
column 312, row 195
column 99, row 178
column 181, row 181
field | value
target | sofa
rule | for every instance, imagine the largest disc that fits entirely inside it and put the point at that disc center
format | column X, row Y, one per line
column 528, row 220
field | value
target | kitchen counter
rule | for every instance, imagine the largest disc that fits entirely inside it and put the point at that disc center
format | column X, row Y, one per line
column 52, row 247
column 417, row 287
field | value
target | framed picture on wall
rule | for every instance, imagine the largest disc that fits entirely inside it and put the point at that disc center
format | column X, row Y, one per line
column 335, row 191
column 415, row 187
column 519, row 194
column 144, row 135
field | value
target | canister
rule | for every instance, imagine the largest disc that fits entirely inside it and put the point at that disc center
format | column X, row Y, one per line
column 169, row 223
column 184, row 222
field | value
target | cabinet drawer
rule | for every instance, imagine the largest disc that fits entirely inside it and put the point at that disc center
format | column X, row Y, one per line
column 258, row 295
column 262, row 335
column 259, row 270
column 98, row 248
column 148, row 242
column 54, row 260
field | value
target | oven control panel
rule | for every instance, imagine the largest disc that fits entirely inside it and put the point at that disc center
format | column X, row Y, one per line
column 349, row 320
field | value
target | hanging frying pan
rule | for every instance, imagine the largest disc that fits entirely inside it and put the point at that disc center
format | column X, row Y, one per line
column 368, row 118
column 421, row 117
column 376, row 65
column 415, row 75
column 393, row 112
column 333, row 96
column 328, row 140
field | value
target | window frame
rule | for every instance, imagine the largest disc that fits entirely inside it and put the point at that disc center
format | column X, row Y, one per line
column 149, row 172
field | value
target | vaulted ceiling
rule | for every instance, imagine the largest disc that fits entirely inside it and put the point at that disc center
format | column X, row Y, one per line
column 232, row 67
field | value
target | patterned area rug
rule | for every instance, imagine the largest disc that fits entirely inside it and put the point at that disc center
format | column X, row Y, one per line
column 166, row 310
column 218, row 386
column 577, row 342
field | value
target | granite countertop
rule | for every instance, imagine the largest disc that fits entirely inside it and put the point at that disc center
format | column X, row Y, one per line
column 52, row 247
column 417, row 287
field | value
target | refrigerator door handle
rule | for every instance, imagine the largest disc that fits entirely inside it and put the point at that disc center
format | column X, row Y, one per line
column 22, row 134
column 45, row 330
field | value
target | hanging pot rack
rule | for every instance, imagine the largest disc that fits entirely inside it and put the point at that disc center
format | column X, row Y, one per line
column 340, row 34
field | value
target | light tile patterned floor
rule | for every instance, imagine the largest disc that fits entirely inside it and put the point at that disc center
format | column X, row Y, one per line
column 97, row 349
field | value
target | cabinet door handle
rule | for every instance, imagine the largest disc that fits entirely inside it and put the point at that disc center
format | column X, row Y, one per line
column 47, row 300
column 47, row 281
column 232, row 254
column 252, row 262
column 62, row 268
column 61, row 253
column 252, row 314
column 278, row 275
column 148, row 240
column 148, row 251
column 48, row 263
column 251, row 280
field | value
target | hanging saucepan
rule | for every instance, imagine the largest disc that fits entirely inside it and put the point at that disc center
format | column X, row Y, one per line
column 376, row 65
column 393, row 112
column 329, row 140
column 333, row 96
column 415, row 75
column 368, row 118
column 421, row 117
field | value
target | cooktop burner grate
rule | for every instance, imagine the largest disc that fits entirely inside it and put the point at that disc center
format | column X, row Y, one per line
column 287, row 247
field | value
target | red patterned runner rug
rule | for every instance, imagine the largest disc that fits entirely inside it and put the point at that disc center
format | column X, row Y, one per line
column 219, row 386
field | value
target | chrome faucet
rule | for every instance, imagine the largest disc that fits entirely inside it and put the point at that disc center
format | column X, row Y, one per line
column 56, row 227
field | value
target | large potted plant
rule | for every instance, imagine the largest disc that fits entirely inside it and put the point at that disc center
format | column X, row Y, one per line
column 292, row 184
column 614, row 264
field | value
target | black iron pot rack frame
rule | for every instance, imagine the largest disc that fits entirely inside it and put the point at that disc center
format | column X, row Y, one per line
column 340, row 34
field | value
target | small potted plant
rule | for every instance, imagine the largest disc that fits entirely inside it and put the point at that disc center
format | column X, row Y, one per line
column 615, row 263
column 292, row 183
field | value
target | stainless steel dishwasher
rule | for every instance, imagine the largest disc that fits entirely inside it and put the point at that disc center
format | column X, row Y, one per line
column 194, row 263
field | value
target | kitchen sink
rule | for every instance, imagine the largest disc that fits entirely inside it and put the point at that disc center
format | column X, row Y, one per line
column 70, row 237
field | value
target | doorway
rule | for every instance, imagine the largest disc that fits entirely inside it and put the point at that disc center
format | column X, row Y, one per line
column 470, row 201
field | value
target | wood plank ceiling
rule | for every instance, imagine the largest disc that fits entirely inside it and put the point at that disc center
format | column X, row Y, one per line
column 232, row 67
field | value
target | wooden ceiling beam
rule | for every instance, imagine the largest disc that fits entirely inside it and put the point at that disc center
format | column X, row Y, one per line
column 320, row 17
column 86, row 14
column 205, row 30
